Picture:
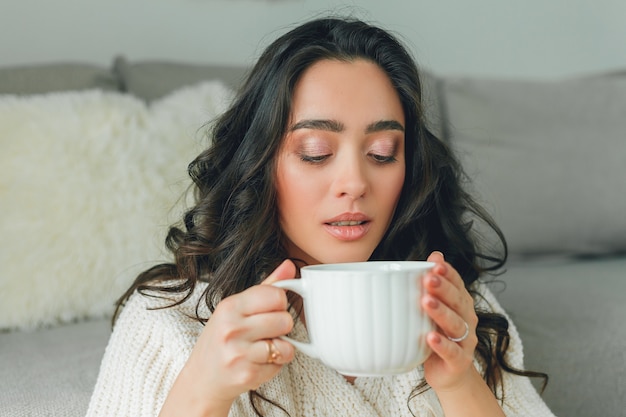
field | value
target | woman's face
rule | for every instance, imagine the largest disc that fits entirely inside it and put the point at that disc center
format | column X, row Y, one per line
column 341, row 165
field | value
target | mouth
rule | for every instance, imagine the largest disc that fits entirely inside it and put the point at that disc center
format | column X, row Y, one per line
column 348, row 226
column 348, row 223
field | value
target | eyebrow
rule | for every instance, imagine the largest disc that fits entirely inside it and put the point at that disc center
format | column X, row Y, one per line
column 336, row 126
column 383, row 125
column 318, row 124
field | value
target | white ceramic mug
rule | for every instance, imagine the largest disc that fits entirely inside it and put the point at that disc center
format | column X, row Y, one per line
column 363, row 318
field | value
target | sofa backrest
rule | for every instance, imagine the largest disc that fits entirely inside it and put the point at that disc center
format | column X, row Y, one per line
column 548, row 159
column 47, row 78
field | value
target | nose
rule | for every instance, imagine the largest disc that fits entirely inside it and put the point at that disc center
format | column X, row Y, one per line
column 351, row 180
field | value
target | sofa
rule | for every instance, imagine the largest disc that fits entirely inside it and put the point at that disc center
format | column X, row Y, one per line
column 93, row 170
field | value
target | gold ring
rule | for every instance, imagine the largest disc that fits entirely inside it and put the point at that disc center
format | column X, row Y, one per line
column 273, row 354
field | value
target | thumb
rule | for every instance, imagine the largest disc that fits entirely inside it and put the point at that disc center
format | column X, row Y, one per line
column 286, row 270
column 436, row 256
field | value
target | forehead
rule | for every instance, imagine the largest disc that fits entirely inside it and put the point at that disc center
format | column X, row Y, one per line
column 358, row 89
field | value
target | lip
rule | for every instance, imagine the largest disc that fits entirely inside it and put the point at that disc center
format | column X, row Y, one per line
column 348, row 232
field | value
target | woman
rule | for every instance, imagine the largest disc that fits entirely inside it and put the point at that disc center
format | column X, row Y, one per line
column 323, row 157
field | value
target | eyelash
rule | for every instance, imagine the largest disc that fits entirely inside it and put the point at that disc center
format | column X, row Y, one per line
column 383, row 159
column 319, row 159
column 313, row 159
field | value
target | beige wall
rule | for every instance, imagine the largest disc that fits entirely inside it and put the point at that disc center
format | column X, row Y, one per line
column 506, row 38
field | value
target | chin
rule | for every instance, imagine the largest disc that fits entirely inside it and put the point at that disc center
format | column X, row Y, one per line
column 339, row 257
column 332, row 253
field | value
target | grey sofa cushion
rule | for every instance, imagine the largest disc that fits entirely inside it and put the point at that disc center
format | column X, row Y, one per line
column 570, row 315
column 51, row 372
column 548, row 158
column 150, row 80
column 40, row 79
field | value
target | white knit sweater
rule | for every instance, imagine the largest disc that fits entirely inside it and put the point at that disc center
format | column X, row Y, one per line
column 148, row 348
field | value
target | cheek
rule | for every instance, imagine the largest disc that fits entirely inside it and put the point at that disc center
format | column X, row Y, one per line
column 399, row 183
column 391, row 190
column 295, row 189
column 392, row 184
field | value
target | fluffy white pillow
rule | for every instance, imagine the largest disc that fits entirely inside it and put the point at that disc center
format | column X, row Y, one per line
column 89, row 183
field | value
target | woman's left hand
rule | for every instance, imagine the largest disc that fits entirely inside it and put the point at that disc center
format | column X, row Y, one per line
column 451, row 307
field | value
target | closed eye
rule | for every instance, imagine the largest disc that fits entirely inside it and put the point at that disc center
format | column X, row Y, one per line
column 383, row 159
column 313, row 159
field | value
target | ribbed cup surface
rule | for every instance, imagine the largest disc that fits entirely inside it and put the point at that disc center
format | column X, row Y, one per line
column 366, row 323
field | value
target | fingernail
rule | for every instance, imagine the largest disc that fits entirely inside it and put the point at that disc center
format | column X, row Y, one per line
column 434, row 281
column 440, row 253
column 432, row 303
column 435, row 338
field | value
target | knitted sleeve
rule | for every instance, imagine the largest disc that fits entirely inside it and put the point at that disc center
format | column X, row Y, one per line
column 145, row 354
column 520, row 397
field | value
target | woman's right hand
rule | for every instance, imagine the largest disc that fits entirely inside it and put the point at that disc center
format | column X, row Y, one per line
column 231, row 355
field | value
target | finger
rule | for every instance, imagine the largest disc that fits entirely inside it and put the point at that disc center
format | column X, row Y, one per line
column 436, row 256
column 268, row 325
column 285, row 270
column 261, row 351
column 255, row 300
column 447, row 320
column 287, row 351
column 458, row 299
column 445, row 270
column 450, row 352
column 441, row 267
column 271, row 352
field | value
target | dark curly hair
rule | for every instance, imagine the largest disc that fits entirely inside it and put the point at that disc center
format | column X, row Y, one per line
column 232, row 237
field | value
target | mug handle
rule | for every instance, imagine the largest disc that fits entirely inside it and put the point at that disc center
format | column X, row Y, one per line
column 297, row 286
